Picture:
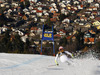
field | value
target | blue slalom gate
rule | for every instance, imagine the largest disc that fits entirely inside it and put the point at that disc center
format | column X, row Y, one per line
column 46, row 35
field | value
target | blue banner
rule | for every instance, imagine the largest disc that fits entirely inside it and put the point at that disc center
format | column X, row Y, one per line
column 47, row 36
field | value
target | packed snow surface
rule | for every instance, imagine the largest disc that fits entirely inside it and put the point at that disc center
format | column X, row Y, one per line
column 32, row 64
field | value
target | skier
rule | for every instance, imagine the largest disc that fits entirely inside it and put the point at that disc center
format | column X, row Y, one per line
column 63, row 56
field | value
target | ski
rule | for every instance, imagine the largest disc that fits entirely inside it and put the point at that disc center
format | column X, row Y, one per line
column 52, row 65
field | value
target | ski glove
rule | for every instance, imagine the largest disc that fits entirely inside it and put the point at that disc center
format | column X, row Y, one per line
column 56, row 63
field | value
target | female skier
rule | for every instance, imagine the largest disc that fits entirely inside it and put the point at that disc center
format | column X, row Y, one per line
column 63, row 56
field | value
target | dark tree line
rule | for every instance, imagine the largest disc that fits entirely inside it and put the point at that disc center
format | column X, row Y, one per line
column 70, row 45
column 13, row 45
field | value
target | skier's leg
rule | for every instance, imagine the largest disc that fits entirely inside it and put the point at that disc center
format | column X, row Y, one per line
column 69, row 61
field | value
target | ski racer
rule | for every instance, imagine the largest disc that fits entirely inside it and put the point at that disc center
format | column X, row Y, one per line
column 63, row 56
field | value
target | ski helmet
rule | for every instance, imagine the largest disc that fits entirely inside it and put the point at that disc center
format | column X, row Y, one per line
column 61, row 48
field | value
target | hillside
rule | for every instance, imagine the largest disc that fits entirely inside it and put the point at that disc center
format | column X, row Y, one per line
column 24, row 64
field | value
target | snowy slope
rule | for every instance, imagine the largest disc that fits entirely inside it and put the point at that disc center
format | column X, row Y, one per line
column 29, row 64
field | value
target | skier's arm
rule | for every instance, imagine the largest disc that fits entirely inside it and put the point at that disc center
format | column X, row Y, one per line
column 56, row 58
column 69, row 53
